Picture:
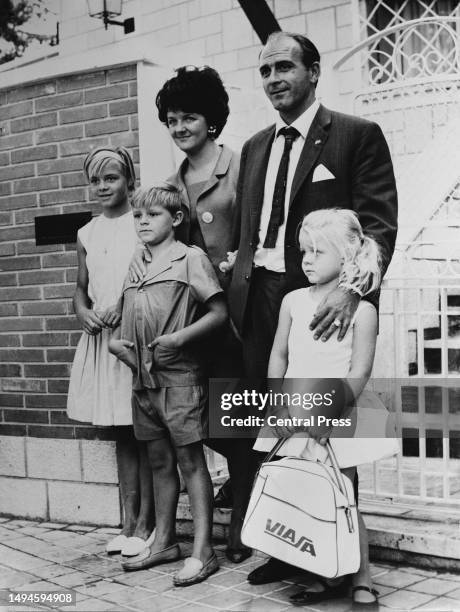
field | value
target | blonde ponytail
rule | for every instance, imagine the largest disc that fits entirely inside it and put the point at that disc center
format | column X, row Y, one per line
column 362, row 273
column 362, row 260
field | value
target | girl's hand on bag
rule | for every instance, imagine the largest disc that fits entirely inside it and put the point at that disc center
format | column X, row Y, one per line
column 283, row 427
column 171, row 341
column 111, row 317
column 137, row 267
column 320, row 433
column 92, row 324
column 227, row 266
column 284, row 431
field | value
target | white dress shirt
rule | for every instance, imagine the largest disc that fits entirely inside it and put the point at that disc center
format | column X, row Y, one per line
column 273, row 259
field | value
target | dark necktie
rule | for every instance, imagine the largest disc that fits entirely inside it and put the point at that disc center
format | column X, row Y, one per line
column 279, row 193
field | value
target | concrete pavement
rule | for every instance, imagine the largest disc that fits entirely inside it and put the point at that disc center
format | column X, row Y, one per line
column 48, row 556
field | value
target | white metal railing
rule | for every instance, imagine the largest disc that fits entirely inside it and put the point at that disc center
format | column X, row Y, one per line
column 422, row 263
column 423, row 315
column 412, row 49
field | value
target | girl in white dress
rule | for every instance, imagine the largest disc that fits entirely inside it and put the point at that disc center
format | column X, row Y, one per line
column 335, row 252
column 100, row 385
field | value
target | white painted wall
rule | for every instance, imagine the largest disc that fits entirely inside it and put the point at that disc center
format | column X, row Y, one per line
column 217, row 32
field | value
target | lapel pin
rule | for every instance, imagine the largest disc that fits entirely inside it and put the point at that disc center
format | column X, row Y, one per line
column 317, row 142
column 207, row 217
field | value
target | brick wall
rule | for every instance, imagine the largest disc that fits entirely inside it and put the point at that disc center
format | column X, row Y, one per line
column 47, row 128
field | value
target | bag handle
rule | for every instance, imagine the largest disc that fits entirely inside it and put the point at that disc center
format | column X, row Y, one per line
column 341, row 484
column 337, row 473
column 269, row 456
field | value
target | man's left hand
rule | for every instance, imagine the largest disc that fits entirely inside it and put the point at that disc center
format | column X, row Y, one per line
column 337, row 307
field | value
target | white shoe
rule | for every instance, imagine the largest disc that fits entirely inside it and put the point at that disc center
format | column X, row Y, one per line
column 134, row 546
column 115, row 546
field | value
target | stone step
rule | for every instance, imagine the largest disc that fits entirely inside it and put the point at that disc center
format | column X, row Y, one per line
column 427, row 535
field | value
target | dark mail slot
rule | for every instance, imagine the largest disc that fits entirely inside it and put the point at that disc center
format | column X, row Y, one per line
column 59, row 229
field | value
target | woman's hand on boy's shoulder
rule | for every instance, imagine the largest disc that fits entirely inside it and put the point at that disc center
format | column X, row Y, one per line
column 137, row 267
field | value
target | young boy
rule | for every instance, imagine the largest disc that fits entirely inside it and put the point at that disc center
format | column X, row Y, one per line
column 178, row 302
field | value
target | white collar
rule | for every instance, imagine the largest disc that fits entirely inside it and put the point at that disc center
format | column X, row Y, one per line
column 303, row 123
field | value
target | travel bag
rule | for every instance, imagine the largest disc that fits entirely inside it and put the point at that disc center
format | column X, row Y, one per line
column 304, row 513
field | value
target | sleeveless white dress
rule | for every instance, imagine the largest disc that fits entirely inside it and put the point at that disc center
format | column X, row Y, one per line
column 313, row 359
column 100, row 385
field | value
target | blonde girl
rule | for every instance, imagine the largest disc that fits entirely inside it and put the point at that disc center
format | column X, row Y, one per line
column 335, row 252
column 100, row 385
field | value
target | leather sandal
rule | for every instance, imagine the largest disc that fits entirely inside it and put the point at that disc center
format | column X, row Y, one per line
column 365, row 605
column 195, row 571
column 329, row 592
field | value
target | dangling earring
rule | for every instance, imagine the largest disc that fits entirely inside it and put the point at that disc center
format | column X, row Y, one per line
column 212, row 130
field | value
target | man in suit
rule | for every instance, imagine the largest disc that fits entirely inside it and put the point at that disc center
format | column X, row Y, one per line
column 327, row 160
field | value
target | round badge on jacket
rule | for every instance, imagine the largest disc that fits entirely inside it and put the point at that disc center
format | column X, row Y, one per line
column 207, row 217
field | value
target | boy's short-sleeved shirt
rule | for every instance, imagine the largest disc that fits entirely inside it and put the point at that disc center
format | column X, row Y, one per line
column 169, row 298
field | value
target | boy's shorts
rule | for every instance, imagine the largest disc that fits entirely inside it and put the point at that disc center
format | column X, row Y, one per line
column 176, row 412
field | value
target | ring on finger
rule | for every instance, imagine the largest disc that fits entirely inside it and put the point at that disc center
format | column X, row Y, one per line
column 337, row 322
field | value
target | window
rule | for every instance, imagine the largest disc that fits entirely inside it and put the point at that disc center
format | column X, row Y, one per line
column 426, row 43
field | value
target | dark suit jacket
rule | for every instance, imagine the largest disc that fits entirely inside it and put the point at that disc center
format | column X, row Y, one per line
column 217, row 197
column 356, row 153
